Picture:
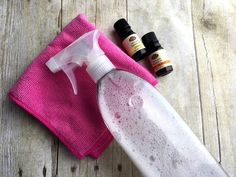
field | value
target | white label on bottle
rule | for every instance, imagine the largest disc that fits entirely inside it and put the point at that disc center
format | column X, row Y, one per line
column 132, row 44
column 159, row 60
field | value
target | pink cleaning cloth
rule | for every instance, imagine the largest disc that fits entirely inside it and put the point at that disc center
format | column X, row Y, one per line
column 49, row 97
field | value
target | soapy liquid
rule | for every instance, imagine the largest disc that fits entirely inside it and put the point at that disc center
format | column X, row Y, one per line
column 150, row 131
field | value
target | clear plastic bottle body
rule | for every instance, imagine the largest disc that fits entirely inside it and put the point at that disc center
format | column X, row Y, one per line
column 150, row 131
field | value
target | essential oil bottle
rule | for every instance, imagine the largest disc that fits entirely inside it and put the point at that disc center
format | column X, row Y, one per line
column 157, row 56
column 130, row 40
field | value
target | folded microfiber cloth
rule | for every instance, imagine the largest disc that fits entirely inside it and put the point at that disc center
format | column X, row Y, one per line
column 74, row 119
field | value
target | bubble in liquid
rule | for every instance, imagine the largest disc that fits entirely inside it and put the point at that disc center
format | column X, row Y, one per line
column 138, row 86
column 136, row 101
column 152, row 158
column 117, row 115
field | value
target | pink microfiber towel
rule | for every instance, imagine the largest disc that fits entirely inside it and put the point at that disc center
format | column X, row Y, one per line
column 74, row 119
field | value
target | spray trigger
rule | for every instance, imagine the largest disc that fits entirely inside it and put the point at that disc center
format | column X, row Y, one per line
column 84, row 50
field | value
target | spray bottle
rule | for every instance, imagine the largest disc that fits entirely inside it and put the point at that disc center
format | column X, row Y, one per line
column 148, row 129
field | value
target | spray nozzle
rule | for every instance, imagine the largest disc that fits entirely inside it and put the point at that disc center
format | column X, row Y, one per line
column 84, row 50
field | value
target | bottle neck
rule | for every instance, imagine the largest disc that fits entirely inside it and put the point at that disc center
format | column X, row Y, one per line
column 125, row 33
column 99, row 67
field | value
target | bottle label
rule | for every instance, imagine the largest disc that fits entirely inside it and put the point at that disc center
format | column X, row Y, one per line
column 159, row 60
column 132, row 44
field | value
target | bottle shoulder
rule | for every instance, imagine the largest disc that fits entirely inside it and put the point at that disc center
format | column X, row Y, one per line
column 119, row 72
column 126, row 34
column 120, row 78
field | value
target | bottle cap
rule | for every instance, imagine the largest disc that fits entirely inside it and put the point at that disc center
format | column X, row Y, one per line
column 151, row 42
column 121, row 24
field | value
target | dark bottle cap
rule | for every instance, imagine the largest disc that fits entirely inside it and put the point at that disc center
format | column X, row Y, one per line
column 151, row 42
column 121, row 24
column 164, row 71
column 123, row 28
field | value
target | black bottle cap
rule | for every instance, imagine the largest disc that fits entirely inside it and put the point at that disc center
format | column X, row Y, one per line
column 123, row 28
column 151, row 42
column 121, row 24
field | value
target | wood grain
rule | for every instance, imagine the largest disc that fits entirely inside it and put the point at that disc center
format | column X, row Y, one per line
column 171, row 21
column 68, row 165
column 215, row 40
column 199, row 36
column 26, row 146
column 107, row 13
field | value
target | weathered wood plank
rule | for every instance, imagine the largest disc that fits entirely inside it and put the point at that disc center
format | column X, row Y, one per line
column 171, row 21
column 108, row 12
column 214, row 28
column 113, row 162
column 25, row 144
column 203, row 83
column 68, row 164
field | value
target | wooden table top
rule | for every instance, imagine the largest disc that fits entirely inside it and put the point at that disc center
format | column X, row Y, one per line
column 200, row 38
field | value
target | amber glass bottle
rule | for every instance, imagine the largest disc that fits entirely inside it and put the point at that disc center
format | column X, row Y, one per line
column 130, row 40
column 157, row 56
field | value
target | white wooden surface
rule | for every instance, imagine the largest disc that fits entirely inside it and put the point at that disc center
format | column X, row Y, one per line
column 200, row 38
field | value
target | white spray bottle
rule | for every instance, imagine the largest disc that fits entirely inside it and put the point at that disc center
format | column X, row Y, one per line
column 145, row 125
